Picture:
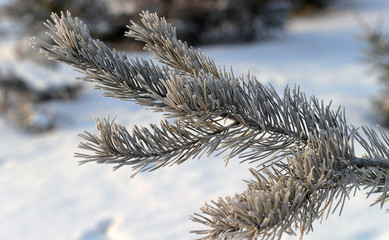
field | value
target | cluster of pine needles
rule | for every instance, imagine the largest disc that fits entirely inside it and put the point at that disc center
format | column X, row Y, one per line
column 302, row 151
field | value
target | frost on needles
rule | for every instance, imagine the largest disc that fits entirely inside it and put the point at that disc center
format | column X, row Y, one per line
column 302, row 151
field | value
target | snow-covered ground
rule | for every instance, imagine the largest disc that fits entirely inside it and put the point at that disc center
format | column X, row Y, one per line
column 45, row 195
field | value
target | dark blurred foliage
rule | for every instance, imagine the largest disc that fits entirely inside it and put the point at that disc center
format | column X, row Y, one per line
column 309, row 6
column 34, row 12
column 215, row 21
column 197, row 21
column 103, row 24
column 377, row 55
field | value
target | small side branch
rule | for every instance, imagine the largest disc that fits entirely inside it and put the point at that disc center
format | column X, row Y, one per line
column 375, row 162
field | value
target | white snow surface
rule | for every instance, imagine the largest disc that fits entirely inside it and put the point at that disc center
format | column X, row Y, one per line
column 44, row 194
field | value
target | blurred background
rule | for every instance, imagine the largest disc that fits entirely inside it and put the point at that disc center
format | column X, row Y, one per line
column 334, row 49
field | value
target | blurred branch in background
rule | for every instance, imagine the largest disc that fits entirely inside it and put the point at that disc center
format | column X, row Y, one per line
column 377, row 55
column 21, row 104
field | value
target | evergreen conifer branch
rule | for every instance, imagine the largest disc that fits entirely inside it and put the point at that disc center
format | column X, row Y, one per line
column 160, row 39
column 149, row 148
column 304, row 150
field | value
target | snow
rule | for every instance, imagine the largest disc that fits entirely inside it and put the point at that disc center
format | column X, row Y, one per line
column 45, row 195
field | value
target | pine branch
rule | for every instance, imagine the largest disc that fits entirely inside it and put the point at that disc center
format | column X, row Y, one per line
column 149, row 148
column 313, row 183
column 304, row 150
column 160, row 39
column 118, row 77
